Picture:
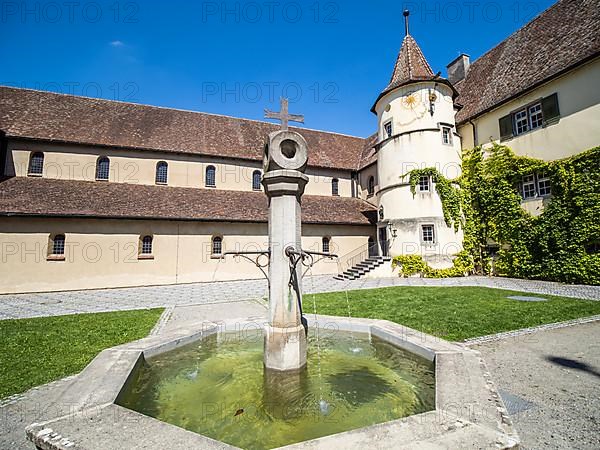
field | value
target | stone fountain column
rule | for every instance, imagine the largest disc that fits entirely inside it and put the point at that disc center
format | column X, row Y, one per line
column 285, row 159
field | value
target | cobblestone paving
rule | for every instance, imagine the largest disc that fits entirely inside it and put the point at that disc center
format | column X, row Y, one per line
column 19, row 306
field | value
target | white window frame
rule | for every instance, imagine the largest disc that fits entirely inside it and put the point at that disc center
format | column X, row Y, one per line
column 447, row 135
column 427, row 185
column 521, row 121
column 547, row 186
column 386, row 134
column 528, row 181
column 433, row 234
column 534, row 112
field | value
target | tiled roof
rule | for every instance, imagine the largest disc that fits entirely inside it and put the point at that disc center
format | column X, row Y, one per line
column 28, row 196
column 65, row 118
column 563, row 36
column 369, row 154
column 411, row 66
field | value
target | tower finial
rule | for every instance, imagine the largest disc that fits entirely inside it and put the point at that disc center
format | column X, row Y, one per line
column 406, row 14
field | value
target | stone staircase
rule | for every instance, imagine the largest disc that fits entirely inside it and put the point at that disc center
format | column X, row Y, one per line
column 362, row 268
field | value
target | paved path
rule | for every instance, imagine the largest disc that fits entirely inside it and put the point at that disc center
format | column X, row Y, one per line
column 550, row 382
column 76, row 302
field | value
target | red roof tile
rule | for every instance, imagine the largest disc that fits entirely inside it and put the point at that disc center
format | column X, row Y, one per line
column 26, row 196
column 560, row 38
column 65, row 118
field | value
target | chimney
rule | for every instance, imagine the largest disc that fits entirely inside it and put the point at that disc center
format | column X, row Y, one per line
column 457, row 69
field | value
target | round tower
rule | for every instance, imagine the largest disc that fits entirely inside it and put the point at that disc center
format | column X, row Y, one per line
column 417, row 130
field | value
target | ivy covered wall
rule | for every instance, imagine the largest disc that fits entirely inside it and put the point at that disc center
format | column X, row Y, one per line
column 561, row 244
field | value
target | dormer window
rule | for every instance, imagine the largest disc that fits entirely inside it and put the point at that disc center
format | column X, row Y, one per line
column 388, row 130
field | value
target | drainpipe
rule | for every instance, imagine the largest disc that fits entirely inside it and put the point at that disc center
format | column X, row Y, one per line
column 475, row 138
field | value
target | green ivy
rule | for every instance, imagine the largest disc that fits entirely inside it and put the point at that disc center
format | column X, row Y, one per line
column 410, row 265
column 485, row 201
column 449, row 194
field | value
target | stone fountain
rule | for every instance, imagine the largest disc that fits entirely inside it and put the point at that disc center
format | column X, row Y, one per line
column 377, row 384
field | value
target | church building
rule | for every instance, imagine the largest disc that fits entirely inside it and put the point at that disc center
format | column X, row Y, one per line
column 100, row 194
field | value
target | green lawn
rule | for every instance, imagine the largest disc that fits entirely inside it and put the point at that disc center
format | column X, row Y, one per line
column 37, row 351
column 454, row 313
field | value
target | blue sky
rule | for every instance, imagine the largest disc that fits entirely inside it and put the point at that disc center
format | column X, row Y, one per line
column 237, row 58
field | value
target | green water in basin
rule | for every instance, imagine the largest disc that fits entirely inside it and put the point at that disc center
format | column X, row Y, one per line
column 218, row 387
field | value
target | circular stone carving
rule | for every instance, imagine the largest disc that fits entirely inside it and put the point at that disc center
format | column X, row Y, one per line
column 286, row 150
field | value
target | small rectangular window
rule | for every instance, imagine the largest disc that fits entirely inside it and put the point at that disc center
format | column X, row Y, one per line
column 544, row 185
column 521, row 122
column 217, row 246
column 147, row 245
column 58, row 245
column 428, row 234
column 326, row 247
column 424, row 185
column 388, row 130
column 536, row 118
column 335, row 187
column 447, row 135
column 529, row 187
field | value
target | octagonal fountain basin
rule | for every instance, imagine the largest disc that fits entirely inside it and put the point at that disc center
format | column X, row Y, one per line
column 218, row 387
column 368, row 384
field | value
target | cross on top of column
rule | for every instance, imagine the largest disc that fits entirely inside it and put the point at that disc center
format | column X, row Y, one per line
column 284, row 115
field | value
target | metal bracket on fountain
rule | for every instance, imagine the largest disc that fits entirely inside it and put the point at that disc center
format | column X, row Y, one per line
column 256, row 261
column 304, row 256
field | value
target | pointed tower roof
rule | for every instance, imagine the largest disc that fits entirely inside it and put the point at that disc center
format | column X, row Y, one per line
column 411, row 66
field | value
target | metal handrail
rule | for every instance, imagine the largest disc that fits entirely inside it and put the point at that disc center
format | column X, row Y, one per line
column 355, row 256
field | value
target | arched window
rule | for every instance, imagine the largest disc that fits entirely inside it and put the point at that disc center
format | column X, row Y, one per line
column 146, row 245
column 58, row 245
column 335, row 187
column 36, row 164
column 211, row 176
column 162, row 172
column 256, row 176
column 371, row 186
column 102, row 168
column 217, row 246
column 326, row 244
